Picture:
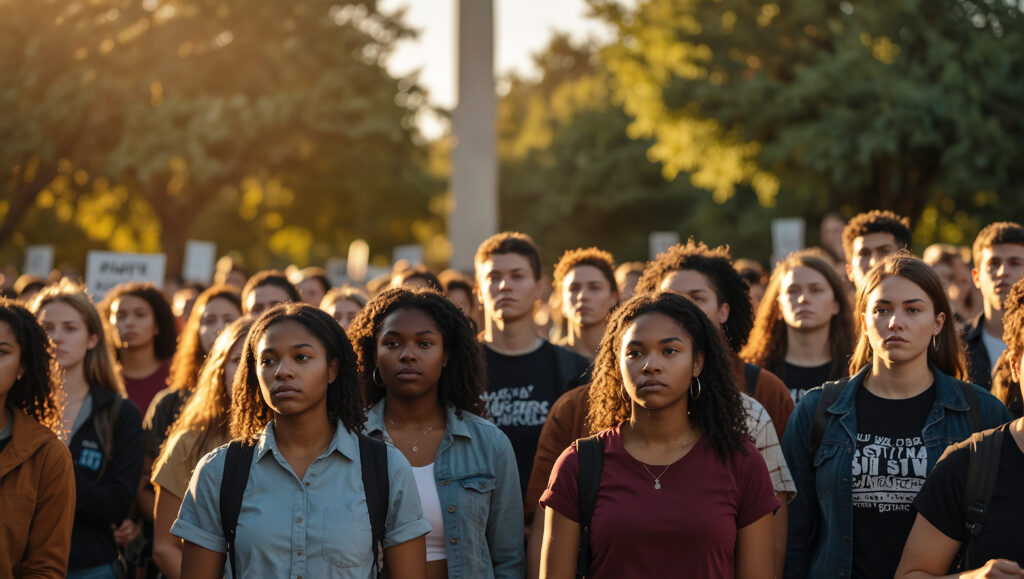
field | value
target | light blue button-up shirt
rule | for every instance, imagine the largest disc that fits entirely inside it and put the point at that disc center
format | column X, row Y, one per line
column 317, row 526
column 478, row 486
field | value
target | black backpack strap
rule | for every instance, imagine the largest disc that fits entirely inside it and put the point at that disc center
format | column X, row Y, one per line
column 750, row 374
column 982, row 470
column 829, row 393
column 590, row 452
column 972, row 405
column 237, row 462
column 373, row 458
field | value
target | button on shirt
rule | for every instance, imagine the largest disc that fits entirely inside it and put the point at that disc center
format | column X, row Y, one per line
column 318, row 526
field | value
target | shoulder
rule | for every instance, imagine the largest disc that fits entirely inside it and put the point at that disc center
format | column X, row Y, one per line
column 479, row 426
column 567, row 355
column 210, row 469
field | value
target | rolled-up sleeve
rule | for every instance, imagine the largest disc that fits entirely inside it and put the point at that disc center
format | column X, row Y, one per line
column 198, row 520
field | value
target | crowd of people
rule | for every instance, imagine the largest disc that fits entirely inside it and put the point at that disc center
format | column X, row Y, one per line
column 854, row 412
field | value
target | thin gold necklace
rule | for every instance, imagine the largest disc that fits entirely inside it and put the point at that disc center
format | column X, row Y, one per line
column 657, row 479
column 415, row 443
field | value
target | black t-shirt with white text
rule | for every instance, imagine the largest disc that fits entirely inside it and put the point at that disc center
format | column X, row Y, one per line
column 520, row 392
column 941, row 502
column 889, row 469
column 800, row 379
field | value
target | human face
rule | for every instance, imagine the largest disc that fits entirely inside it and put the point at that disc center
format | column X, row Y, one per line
column 587, row 297
column 343, row 311
column 696, row 286
column 312, row 291
column 627, row 285
column 900, row 321
column 68, row 332
column 265, row 297
column 1001, row 265
column 10, row 361
column 217, row 314
column 657, row 362
column 410, row 354
column 294, row 370
column 507, row 287
column 231, row 364
column 867, row 251
column 462, row 300
column 134, row 320
column 806, row 299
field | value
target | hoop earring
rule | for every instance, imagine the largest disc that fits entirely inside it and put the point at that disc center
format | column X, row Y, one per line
column 692, row 395
column 376, row 378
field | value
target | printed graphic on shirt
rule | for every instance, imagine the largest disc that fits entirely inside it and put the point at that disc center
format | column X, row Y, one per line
column 90, row 457
column 516, row 406
column 888, row 473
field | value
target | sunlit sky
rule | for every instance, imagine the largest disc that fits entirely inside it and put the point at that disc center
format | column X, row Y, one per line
column 521, row 28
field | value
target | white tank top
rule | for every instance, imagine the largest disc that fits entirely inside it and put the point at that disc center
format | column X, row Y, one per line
column 427, row 487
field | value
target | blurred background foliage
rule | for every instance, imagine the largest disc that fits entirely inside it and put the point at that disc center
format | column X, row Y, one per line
column 274, row 129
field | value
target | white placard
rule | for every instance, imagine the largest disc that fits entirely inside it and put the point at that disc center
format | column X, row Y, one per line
column 200, row 260
column 106, row 269
column 358, row 259
column 39, row 260
column 660, row 241
column 410, row 253
column 787, row 237
column 337, row 271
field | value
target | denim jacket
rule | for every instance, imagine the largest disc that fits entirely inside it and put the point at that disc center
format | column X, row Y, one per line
column 478, row 484
column 820, row 542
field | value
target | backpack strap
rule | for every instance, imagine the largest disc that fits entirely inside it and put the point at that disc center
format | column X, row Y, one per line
column 982, row 470
column 590, row 452
column 104, row 424
column 829, row 393
column 972, row 405
column 373, row 458
column 237, row 463
column 750, row 374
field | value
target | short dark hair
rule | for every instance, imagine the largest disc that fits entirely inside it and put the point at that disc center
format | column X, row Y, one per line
column 591, row 256
column 270, row 277
column 716, row 264
column 312, row 272
column 877, row 221
column 453, row 280
column 750, row 271
column 166, row 340
column 995, row 234
column 510, row 242
column 417, row 272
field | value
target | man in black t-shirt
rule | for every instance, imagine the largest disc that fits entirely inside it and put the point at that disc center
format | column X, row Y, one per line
column 525, row 373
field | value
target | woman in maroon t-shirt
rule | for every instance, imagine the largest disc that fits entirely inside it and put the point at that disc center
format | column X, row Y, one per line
column 681, row 488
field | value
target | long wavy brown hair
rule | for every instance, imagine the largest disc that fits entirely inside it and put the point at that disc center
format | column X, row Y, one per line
column 718, row 411
column 768, row 343
column 949, row 356
column 250, row 413
column 208, row 408
column 37, row 391
column 190, row 355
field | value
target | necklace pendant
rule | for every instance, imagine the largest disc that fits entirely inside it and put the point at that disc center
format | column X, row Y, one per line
column 657, row 484
column 415, row 449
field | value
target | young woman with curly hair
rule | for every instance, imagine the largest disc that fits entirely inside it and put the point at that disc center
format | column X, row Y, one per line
column 681, row 485
column 297, row 399
column 201, row 427
column 37, row 478
column 884, row 430
column 421, row 366
column 104, row 430
column 803, row 332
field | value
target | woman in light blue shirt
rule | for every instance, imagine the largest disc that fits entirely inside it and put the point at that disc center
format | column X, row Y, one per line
column 422, row 368
column 304, row 510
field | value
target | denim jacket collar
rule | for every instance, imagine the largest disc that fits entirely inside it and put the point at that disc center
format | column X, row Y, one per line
column 375, row 427
column 343, row 443
column 945, row 393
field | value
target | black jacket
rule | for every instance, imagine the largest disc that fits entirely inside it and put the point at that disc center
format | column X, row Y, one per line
column 105, row 502
column 978, row 367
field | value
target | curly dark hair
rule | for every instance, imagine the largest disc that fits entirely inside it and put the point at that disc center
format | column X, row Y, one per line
column 166, row 340
column 462, row 381
column 591, row 256
column 768, row 342
column 250, row 412
column 877, row 221
column 190, row 354
column 37, row 392
column 1013, row 335
column 718, row 411
column 716, row 264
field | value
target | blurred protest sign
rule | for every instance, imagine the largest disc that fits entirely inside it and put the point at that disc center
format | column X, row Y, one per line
column 200, row 259
column 38, row 260
column 106, row 269
column 412, row 254
column 659, row 241
column 787, row 237
column 337, row 271
column 358, row 259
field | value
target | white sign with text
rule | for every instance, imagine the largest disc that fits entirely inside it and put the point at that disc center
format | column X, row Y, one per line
column 200, row 260
column 38, row 260
column 106, row 269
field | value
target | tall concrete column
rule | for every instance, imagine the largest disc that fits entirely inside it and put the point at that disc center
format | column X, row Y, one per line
column 474, row 182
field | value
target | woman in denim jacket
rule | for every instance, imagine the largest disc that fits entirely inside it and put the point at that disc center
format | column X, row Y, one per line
column 421, row 366
column 886, row 429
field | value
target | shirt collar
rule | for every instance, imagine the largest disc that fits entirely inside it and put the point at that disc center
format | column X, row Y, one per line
column 343, row 442
column 375, row 421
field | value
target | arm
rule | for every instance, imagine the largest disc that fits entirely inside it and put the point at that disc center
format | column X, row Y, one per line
column 929, row 553
column 534, row 539
column 560, row 544
column 505, row 522
column 779, row 523
column 110, row 500
column 49, row 538
column 406, row 560
column 200, row 563
column 754, row 546
column 166, row 547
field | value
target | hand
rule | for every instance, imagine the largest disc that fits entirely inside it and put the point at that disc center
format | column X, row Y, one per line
column 997, row 569
column 127, row 532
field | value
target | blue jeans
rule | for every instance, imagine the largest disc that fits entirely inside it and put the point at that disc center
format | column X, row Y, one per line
column 105, row 571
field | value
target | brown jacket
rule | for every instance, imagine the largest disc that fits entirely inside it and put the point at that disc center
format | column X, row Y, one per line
column 37, row 501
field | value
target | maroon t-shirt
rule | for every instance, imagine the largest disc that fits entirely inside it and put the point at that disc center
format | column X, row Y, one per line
column 142, row 390
column 690, row 523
